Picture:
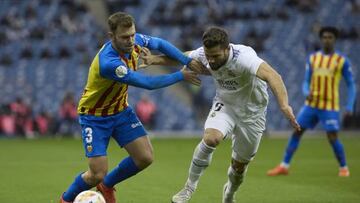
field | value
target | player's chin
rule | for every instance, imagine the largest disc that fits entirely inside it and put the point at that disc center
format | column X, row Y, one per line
column 214, row 66
column 128, row 49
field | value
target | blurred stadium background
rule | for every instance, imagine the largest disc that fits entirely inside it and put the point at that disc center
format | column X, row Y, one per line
column 46, row 48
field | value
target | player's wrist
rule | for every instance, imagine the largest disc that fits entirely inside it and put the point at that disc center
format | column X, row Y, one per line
column 187, row 60
column 180, row 75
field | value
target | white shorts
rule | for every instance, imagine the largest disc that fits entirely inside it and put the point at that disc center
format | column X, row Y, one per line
column 246, row 135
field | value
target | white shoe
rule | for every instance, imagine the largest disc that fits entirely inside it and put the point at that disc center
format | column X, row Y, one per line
column 184, row 195
column 227, row 197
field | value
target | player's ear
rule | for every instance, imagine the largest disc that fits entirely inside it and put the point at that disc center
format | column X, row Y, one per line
column 227, row 48
column 111, row 35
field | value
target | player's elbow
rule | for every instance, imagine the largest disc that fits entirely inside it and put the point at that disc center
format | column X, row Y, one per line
column 145, row 84
column 277, row 75
column 155, row 43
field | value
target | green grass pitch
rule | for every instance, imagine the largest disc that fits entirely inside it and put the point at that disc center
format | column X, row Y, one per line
column 38, row 171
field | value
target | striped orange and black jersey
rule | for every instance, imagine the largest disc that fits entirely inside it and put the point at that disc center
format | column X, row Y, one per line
column 325, row 71
column 110, row 74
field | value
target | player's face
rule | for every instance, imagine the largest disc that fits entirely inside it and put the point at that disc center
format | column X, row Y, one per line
column 216, row 56
column 123, row 39
column 328, row 40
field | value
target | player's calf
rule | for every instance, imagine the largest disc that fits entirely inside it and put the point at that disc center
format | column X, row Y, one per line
column 227, row 196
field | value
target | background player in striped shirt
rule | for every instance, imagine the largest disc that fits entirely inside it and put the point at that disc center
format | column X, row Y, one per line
column 323, row 73
column 104, row 111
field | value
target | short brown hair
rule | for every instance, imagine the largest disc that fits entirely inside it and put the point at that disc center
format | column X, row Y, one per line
column 330, row 29
column 214, row 36
column 120, row 19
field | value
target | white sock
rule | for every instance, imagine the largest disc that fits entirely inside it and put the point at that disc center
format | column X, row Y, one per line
column 235, row 180
column 285, row 165
column 200, row 161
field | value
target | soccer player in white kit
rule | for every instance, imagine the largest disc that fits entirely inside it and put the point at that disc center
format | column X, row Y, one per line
column 238, row 110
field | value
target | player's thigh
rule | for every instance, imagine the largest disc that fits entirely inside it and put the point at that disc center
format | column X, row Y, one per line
column 96, row 133
column 307, row 117
column 127, row 127
column 220, row 121
column 246, row 139
column 330, row 120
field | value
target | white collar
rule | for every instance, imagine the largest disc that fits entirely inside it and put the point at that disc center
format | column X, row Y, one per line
column 231, row 54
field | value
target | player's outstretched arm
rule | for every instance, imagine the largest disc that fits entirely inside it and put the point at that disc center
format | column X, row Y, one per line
column 124, row 75
column 268, row 74
column 149, row 59
column 163, row 60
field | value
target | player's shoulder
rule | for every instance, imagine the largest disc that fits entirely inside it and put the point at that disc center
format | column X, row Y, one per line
column 109, row 57
column 314, row 53
column 341, row 55
column 142, row 39
column 107, row 50
column 242, row 53
column 241, row 50
column 197, row 53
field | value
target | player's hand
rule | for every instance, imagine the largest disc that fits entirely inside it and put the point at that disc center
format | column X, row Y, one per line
column 288, row 112
column 146, row 57
column 196, row 66
column 191, row 76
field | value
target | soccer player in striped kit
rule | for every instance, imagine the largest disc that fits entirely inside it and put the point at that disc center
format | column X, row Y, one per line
column 104, row 110
column 323, row 73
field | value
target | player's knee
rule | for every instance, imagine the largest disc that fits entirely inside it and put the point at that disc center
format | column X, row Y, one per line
column 299, row 133
column 239, row 167
column 95, row 177
column 332, row 136
column 212, row 141
column 145, row 160
column 212, row 138
column 99, row 176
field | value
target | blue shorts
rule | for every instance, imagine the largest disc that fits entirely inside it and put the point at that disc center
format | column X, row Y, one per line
column 96, row 131
column 308, row 117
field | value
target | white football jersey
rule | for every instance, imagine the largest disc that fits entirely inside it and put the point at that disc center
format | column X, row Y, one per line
column 236, row 82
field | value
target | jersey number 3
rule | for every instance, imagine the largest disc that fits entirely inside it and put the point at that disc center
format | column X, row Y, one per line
column 88, row 135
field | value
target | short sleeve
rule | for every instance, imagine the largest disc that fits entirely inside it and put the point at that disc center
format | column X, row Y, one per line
column 195, row 54
column 112, row 67
column 199, row 55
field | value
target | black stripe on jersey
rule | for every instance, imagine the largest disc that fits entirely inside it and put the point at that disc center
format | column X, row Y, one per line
column 235, row 53
column 198, row 165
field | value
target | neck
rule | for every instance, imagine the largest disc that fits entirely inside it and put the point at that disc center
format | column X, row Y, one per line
column 116, row 49
column 329, row 50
